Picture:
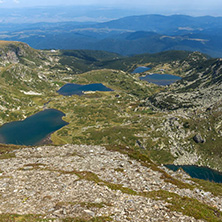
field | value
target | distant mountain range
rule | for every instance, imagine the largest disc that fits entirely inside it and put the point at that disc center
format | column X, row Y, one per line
column 92, row 13
column 126, row 36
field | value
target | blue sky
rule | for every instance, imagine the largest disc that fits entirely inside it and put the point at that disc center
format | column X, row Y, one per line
column 205, row 7
column 159, row 3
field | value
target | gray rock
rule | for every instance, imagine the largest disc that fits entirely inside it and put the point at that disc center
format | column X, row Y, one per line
column 198, row 138
column 140, row 144
column 98, row 200
column 27, row 167
column 91, row 213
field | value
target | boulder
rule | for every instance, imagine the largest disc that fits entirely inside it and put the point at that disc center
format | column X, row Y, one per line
column 198, row 138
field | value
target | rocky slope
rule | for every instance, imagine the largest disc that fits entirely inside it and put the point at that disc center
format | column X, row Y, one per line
column 200, row 87
column 93, row 183
column 194, row 108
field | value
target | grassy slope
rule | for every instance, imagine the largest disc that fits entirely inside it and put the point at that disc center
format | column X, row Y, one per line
column 104, row 117
column 85, row 60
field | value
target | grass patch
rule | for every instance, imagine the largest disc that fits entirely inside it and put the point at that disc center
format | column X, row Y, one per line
column 6, row 151
column 214, row 188
column 95, row 219
column 161, row 156
column 38, row 218
column 7, row 156
column 117, row 134
column 188, row 206
column 21, row 218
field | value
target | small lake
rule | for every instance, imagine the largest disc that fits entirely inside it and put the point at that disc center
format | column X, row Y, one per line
column 161, row 79
column 204, row 173
column 141, row 69
column 33, row 129
column 76, row 89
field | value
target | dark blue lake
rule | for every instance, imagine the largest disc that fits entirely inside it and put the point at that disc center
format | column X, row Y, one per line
column 161, row 79
column 33, row 129
column 141, row 69
column 76, row 89
column 204, row 173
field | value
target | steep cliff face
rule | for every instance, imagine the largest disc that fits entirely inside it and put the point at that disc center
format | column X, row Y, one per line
column 14, row 52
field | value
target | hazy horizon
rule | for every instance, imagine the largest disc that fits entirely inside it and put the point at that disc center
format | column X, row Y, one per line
column 188, row 7
column 24, row 11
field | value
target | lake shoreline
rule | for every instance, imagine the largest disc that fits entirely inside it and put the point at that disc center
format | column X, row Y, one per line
column 199, row 172
column 160, row 79
column 33, row 130
column 70, row 89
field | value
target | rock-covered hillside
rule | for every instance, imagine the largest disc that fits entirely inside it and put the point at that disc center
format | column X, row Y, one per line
column 200, row 88
column 194, row 103
column 93, row 183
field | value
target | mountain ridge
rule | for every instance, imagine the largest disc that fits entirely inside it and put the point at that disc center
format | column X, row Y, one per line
column 177, row 32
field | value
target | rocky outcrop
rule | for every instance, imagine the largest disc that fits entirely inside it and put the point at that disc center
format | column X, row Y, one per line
column 9, row 56
column 13, row 52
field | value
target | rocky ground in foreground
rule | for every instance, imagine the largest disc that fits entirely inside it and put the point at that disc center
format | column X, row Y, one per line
column 97, row 184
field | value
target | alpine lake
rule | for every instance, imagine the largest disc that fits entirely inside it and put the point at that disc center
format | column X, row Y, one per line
column 76, row 89
column 161, row 79
column 156, row 78
column 33, row 129
column 198, row 172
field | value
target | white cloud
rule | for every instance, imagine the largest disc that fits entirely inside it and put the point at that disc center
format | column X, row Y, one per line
column 1, row 1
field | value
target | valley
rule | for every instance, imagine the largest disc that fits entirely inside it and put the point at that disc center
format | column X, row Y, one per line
column 136, row 123
column 136, row 114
